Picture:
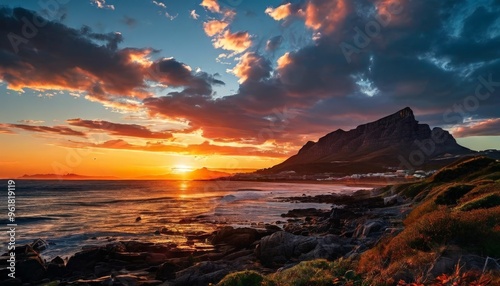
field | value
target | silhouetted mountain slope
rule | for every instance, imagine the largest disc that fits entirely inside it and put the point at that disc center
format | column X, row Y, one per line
column 397, row 140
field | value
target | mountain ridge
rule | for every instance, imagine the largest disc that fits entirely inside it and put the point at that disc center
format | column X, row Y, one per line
column 394, row 141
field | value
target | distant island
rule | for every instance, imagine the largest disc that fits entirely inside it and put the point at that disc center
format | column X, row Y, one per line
column 198, row 174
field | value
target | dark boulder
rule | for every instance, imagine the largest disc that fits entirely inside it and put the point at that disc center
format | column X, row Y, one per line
column 282, row 247
column 236, row 237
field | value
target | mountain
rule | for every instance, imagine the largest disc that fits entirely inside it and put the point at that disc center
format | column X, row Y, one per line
column 395, row 141
column 206, row 174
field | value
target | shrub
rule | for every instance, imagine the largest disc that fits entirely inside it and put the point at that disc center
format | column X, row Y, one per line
column 451, row 195
column 243, row 278
column 318, row 272
column 488, row 201
column 463, row 168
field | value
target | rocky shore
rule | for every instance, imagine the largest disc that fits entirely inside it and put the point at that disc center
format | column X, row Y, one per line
column 354, row 224
column 443, row 230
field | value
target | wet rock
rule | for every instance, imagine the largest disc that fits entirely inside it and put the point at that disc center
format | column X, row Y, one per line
column 272, row 228
column 11, row 282
column 305, row 213
column 370, row 228
column 85, row 261
column 282, row 247
column 166, row 271
column 102, row 269
column 55, row 270
column 237, row 237
column 39, row 245
column 31, row 269
column 202, row 274
column 57, row 260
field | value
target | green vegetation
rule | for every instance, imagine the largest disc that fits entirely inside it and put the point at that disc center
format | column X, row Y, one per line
column 318, row 272
column 244, row 278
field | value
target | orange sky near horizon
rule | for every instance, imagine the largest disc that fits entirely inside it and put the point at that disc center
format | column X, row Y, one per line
column 25, row 154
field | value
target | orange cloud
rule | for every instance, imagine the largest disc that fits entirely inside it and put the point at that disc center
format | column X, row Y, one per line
column 280, row 12
column 238, row 42
column 324, row 15
column 60, row 130
column 486, row 127
column 319, row 15
column 205, row 148
column 211, row 5
column 252, row 66
column 284, row 60
column 214, row 27
column 392, row 10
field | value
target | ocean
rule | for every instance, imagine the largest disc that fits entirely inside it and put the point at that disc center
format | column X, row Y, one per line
column 72, row 214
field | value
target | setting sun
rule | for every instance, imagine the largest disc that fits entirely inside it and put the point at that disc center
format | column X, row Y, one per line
column 182, row 169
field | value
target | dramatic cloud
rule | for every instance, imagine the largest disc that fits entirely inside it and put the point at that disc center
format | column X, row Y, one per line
column 365, row 59
column 487, row 127
column 325, row 15
column 60, row 130
column 320, row 15
column 119, row 129
column 252, row 67
column 62, row 58
column 171, row 72
column 237, row 42
column 204, row 148
column 214, row 27
column 211, row 5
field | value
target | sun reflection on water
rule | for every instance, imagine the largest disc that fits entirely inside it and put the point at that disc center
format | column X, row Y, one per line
column 183, row 189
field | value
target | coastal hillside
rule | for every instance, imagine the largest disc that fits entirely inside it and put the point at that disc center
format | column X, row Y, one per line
column 377, row 146
column 453, row 228
column 447, row 233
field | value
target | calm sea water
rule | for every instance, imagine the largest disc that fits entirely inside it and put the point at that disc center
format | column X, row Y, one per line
column 71, row 214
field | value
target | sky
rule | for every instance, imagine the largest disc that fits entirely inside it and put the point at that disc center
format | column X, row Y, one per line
column 129, row 88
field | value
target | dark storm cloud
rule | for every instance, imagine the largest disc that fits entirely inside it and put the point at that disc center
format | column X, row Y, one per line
column 40, row 54
column 429, row 55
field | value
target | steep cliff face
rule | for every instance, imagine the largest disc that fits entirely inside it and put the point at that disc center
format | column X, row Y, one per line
column 379, row 143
